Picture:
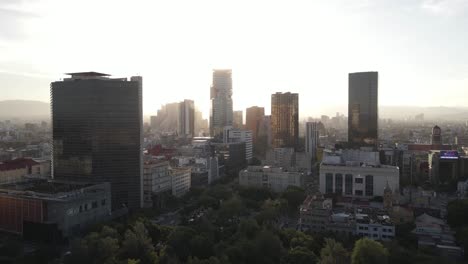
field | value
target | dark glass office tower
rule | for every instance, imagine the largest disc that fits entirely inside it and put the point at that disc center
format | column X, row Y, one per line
column 97, row 133
column 285, row 120
column 363, row 108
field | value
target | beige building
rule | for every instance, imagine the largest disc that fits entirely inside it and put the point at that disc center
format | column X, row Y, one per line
column 180, row 179
column 274, row 178
column 156, row 180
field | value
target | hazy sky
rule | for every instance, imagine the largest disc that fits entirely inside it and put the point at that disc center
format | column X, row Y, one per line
column 419, row 47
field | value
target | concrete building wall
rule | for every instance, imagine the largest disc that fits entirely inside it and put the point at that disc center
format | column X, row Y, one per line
column 381, row 176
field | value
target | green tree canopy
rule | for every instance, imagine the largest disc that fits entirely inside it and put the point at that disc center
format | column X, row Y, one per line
column 333, row 253
column 367, row 251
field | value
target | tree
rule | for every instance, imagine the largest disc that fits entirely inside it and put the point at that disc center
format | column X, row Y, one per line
column 179, row 242
column 457, row 213
column 333, row 253
column 367, row 251
column 299, row 255
column 138, row 245
column 295, row 196
column 266, row 241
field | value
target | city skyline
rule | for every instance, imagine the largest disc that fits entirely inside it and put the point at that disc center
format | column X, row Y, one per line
column 340, row 37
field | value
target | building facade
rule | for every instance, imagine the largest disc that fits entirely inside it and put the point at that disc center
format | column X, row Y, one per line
column 97, row 133
column 156, row 180
column 357, row 174
column 274, row 178
column 221, row 112
column 312, row 139
column 231, row 135
column 238, row 119
column 285, row 120
column 180, row 181
column 253, row 119
column 48, row 207
column 363, row 108
column 186, row 121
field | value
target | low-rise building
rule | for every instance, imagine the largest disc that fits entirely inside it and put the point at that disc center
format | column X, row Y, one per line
column 318, row 215
column 274, row 178
column 156, row 180
column 36, row 207
column 377, row 227
column 315, row 213
column 355, row 173
column 180, row 181
column 15, row 170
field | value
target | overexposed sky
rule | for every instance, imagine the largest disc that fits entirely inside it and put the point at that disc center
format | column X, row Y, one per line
column 419, row 47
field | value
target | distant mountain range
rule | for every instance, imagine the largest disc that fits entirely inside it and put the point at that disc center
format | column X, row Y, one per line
column 24, row 109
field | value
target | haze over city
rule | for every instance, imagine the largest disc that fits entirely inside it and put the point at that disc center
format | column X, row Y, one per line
column 418, row 48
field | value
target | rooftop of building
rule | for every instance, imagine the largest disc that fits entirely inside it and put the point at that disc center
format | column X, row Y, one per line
column 268, row 169
column 46, row 189
column 87, row 74
column 16, row 164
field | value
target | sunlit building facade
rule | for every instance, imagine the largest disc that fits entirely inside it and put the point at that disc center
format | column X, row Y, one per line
column 285, row 120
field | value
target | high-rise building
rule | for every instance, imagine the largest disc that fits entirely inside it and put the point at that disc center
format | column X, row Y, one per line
column 254, row 117
column 221, row 114
column 312, row 139
column 186, row 118
column 97, row 133
column 167, row 119
column 363, row 108
column 285, row 120
column 238, row 121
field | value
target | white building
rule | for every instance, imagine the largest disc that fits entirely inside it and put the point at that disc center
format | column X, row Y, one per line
column 180, row 180
column 377, row 229
column 156, row 179
column 280, row 157
column 312, row 139
column 355, row 173
column 232, row 135
column 274, row 178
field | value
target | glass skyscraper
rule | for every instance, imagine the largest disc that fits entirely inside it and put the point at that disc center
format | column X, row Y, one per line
column 97, row 133
column 285, row 120
column 363, row 108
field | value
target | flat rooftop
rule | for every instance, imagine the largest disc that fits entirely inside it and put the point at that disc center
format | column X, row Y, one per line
column 47, row 189
column 91, row 73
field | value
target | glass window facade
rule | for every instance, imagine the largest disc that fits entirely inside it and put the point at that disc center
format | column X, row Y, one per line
column 349, row 184
column 339, row 183
column 97, row 132
column 363, row 108
column 329, row 183
column 369, row 185
column 285, row 120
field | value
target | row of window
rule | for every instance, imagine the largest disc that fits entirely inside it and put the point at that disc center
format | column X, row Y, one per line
column 369, row 186
column 94, row 205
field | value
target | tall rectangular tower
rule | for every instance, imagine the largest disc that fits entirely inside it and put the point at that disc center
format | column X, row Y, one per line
column 285, row 120
column 186, row 118
column 312, row 139
column 238, row 119
column 221, row 113
column 253, row 119
column 363, row 108
column 97, row 133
